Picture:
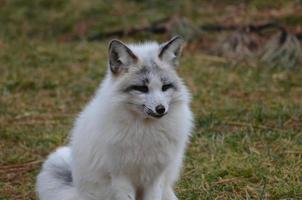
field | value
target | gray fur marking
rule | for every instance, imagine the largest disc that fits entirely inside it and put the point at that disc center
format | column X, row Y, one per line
column 63, row 174
column 142, row 76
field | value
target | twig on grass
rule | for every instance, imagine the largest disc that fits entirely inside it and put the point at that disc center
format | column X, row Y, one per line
column 11, row 172
column 227, row 180
column 17, row 167
column 293, row 152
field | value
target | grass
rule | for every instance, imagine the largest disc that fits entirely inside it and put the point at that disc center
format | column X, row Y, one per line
column 247, row 142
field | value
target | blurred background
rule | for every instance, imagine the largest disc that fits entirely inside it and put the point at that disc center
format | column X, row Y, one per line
column 242, row 62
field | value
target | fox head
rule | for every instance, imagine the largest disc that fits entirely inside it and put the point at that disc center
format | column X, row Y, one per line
column 144, row 76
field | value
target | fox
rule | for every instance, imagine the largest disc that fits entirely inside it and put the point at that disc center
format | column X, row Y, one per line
column 129, row 141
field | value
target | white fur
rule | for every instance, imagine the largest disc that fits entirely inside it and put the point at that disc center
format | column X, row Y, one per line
column 117, row 155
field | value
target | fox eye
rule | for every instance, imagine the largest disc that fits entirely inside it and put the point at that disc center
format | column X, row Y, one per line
column 167, row 86
column 140, row 88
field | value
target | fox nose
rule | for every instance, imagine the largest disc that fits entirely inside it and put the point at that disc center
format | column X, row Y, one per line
column 160, row 109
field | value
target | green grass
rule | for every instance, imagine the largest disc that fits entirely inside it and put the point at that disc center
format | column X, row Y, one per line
column 247, row 141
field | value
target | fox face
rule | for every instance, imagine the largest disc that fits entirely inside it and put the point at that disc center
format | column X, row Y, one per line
column 144, row 76
column 151, row 91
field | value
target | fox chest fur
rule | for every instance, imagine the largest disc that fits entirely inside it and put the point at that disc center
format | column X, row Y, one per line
column 142, row 151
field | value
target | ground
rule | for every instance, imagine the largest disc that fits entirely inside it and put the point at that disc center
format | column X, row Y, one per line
column 247, row 141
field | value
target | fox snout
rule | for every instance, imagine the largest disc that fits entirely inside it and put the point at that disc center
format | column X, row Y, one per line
column 159, row 111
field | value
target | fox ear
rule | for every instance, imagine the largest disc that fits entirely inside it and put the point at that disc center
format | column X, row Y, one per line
column 171, row 50
column 120, row 57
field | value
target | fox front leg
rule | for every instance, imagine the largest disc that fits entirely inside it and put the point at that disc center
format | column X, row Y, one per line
column 168, row 194
column 121, row 189
column 154, row 191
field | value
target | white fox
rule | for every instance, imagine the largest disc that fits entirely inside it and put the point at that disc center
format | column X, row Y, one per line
column 129, row 141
